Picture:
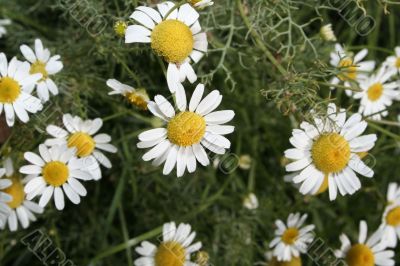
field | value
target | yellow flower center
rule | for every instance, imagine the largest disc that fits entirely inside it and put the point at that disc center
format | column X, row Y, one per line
column 55, row 173
column 138, row 98
column 170, row 254
column 186, row 129
column 330, row 153
column 324, row 186
column 397, row 64
column 120, row 28
column 16, row 190
column 39, row 67
column 84, row 143
column 393, row 217
column 9, row 90
column 375, row 92
column 349, row 70
column 296, row 261
column 172, row 40
column 290, row 235
column 360, row 255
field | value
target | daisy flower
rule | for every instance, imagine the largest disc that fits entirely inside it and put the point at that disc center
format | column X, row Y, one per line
column 15, row 86
column 273, row 261
column 326, row 152
column 291, row 238
column 377, row 94
column 82, row 134
column 42, row 63
column 5, row 198
column 187, row 131
column 174, row 34
column 4, row 22
column 366, row 252
column 175, row 248
column 393, row 62
column 22, row 210
column 138, row 97
column 55, row 171
column 201, row 3
column 391, row 216
column 327, row 33
column 353, row 68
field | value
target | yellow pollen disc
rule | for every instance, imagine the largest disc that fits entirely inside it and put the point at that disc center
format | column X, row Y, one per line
column 55, row 173
column 9, row 90
column 296, row 261
column 330, row 153
column 170, row 254
column 186, row 129
column 349, row 70
column 16, row 190
column 120, row 28
column 360, row 255
column 393, row 217
column 172, row 40
column 397, row 64
column 290, row 235
column 83, row 142
column 138, row 98
column 324, row 186
column 39, row 67
column 375, row 92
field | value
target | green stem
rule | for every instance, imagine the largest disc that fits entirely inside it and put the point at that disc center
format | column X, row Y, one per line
column 372, row 124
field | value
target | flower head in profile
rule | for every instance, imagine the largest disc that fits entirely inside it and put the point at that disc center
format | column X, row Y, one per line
column 138, row 97
column 4, row 22
column 327, row 33
column 16, row 84
column 393, row 61
column 391, row 216
column 365, row 252
column 201, row 3
column 55, row 171
column 327, row 153
column 291, row 239
column 42, row 62
column 352, row 68
column 83, row 135
column 377, row 94
column 22, row 210
column 174, row 34
column 273, row 261
column 175, row 248
column 189, row 130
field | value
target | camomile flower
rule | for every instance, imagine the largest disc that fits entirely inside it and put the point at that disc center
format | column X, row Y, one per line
column 366, row 252
column 377, row 94
column 138, row 97
column 4, row 22
column 22, row 209
column 42, row 63
column 393, row 62
column 273, row 261
column 327, row 153
column 82, row 135
column 291, row 239
column 15, row 86
column 175, row 248
column 120, row 28
column 327, row 33
column 352, row 68
column 55, row 171
column 391, row 216
column 188, row 131
column 5, row 198
column 201, row 3
column 174, row 34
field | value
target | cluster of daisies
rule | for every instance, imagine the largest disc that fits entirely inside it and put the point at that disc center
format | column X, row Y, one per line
column 73, row 152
